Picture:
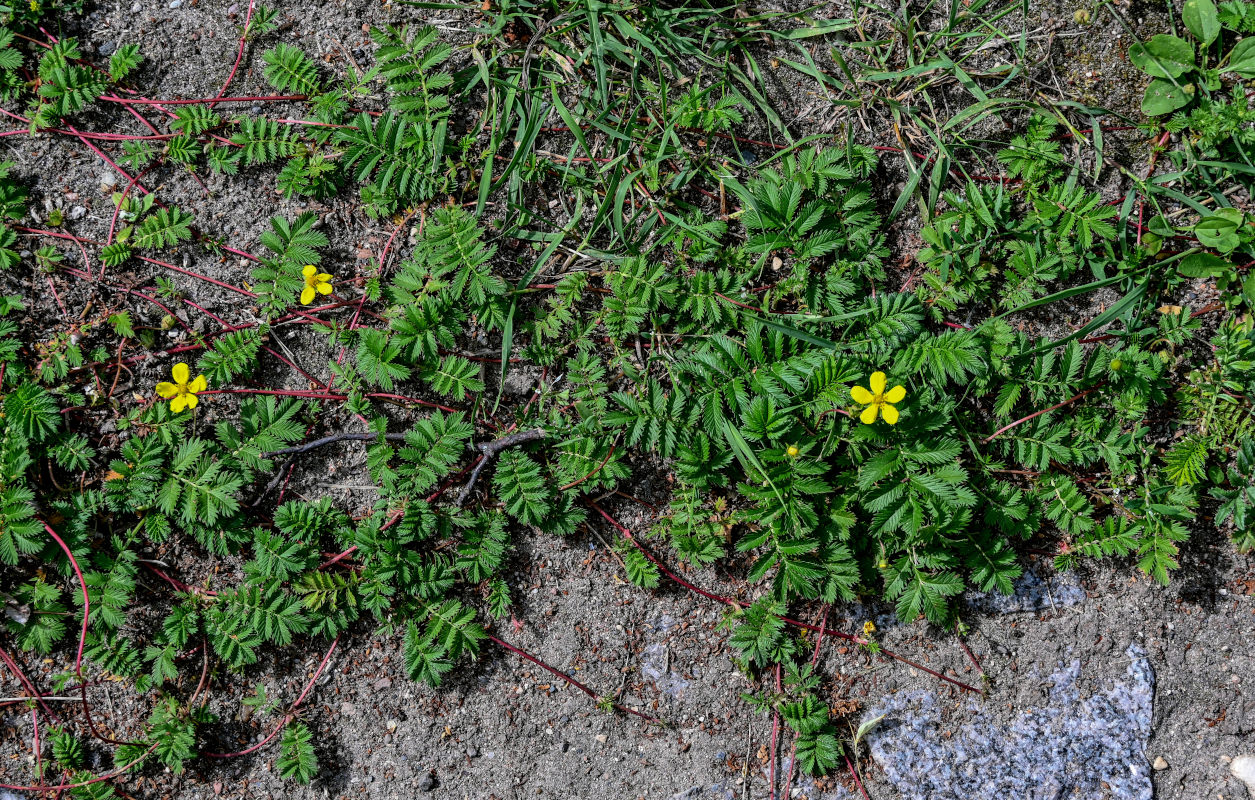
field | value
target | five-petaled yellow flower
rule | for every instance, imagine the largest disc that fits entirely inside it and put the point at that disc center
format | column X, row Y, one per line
column 878, row 400
column 182, row 393
column 315, row 283
column 869, row 628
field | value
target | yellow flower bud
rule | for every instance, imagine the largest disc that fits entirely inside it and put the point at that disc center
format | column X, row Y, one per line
column 794, row 451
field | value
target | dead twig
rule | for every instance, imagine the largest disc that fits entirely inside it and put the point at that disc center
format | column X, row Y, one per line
column 490, row 450
column 337, row 437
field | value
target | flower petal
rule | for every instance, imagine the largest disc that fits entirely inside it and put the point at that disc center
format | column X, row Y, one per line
column 861, row 395
column 309, row 271
column 307, row 295
column 323, row 288
column 869, row 414
column 877, row 383
column 190, row 400
column 179, row 403
column 180, row 373
column 167, row 389
column 890, row 414
column 323, row 277
column 895, row 394
column 198, row 385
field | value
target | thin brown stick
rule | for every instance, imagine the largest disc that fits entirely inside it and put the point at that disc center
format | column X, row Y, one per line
column 338, row 437
column 489, row 452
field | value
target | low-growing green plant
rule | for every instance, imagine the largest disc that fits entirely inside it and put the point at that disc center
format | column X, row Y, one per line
column 832, row 423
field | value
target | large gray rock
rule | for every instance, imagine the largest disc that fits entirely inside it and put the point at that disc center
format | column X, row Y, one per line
column 1070, row 747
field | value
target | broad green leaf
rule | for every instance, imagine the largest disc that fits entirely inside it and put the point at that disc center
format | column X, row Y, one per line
column 1163, row 56
column 1242, row 58
column 1203, row 265
column 1163, row 97
column 1201, row 18
column 1220, row 230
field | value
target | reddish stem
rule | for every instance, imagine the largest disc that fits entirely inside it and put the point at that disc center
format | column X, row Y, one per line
column 198, row 276
column 970, row 655
column 63, row 786
column 147, row 101
column 819, row 643
column 339, row 557
column 775, row 735
column 28, row 685
column 239, row 56
column 796, row 623
column 854, row 773
column 291, row 709
column 178, row 584
column 567, row 678
column 82, row 638
column 1022, row 420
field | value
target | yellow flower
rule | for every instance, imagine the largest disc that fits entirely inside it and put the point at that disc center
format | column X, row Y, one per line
column 878, row 400
column 869, row 628
column 315, row 283
column 181, row 393
column 794, row 451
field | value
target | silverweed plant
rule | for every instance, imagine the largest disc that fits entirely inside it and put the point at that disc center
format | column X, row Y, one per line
column 837, row 415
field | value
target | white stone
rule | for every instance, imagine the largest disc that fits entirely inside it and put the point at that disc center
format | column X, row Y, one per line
column 1243, row 768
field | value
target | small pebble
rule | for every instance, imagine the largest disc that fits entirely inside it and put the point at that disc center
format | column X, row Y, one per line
column 472, row 752
column 135, row 9
column 108, row 179
column 77, row 212
column 107, row 48
column 427, row 782
column 1160, row 764
column 175, row 3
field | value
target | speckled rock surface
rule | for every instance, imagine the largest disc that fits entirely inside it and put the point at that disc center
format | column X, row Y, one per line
column 1071, row 746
